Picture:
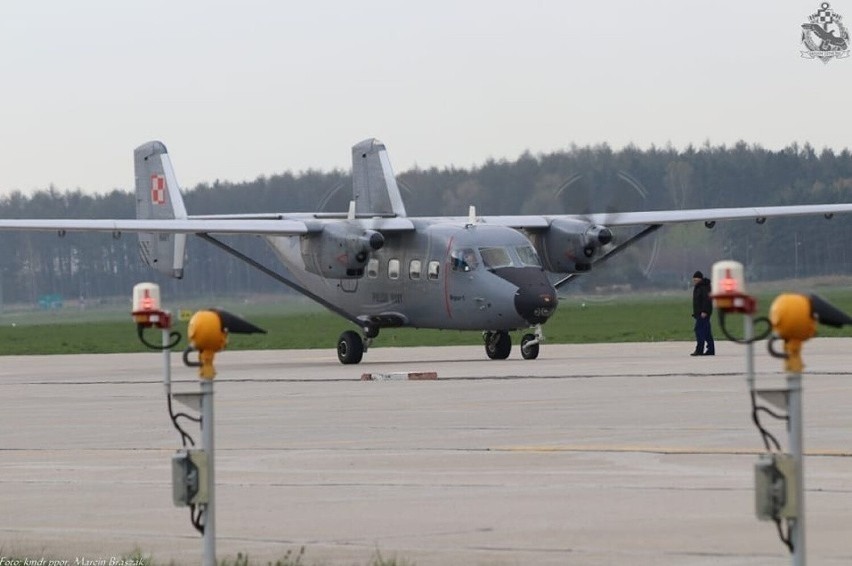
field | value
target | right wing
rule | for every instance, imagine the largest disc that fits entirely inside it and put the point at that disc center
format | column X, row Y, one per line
column 173, row 226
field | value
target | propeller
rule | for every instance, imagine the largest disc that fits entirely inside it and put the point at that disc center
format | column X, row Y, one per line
column 608, row 192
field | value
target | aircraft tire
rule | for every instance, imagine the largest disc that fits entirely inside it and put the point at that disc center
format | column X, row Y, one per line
column 529, row 352
column 350, row 348
column 498, row 345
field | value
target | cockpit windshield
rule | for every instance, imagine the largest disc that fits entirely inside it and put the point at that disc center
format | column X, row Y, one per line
column 495, row 258
column 528, row 256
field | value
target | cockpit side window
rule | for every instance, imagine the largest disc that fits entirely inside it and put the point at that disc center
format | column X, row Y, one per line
column 528, row 256
column 495, row 258
column 463, row 259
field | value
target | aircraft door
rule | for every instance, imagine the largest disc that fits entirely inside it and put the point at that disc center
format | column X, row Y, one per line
column 460, row 293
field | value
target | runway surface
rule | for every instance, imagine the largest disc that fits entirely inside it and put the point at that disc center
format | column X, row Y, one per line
column 591, row 455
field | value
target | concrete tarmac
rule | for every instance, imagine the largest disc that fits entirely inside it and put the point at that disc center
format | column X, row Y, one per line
column 591, row 455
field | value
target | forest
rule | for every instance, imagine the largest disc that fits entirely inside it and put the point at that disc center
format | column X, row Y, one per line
column 575, row 180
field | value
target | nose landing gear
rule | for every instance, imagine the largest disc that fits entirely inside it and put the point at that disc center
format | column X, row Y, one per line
column 530, row 343
column 498, row 344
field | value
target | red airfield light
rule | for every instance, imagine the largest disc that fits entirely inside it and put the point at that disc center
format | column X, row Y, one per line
column 728, row 288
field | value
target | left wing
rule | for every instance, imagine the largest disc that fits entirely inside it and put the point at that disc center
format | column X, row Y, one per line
column 759, row 214
column 572, row 244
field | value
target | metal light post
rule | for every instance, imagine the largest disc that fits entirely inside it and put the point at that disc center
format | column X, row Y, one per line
column 208, row 334
column 794, row 320
column 193, row 470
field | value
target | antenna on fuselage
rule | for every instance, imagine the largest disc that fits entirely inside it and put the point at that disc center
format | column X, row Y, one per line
column 471, row 216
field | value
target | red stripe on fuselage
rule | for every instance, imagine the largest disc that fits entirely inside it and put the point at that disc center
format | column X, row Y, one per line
column 446, row 280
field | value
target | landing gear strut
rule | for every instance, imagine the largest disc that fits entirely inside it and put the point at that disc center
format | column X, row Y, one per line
column 529, row 347
column 530, row 343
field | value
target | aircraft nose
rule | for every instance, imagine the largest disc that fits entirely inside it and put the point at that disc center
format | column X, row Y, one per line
column 536, row 300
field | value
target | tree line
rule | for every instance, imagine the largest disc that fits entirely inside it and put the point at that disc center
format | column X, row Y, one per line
column 575, row 180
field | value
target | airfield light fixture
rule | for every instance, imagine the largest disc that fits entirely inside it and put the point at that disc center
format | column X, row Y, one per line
column 148, row 313
column 794, row 319
column 146, row 306
column 779, row 477
column 728, row 289
column 208, row 334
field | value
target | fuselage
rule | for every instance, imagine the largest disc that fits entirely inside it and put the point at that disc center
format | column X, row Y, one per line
column 439, row 275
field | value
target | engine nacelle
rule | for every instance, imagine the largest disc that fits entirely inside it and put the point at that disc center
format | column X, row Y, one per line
column 570, row 245
column 340, row 251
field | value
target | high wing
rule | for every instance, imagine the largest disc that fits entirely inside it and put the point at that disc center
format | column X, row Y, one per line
column 572, row 244
column 162, row 222
column 190, row 225
column 281, row 225
column 759, row 214
column 566, row 244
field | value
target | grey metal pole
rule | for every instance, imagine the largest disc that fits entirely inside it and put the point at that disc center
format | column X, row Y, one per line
column 794, row 412
column 748, row 336
column 209, row 538
column 167, row 363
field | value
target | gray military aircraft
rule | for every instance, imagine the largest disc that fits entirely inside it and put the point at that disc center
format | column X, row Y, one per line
column 377, row 267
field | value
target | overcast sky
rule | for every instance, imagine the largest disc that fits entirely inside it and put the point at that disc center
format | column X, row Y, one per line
column 241, row 89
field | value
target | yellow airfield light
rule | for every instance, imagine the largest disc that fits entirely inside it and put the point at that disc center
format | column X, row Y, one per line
column 208, row 334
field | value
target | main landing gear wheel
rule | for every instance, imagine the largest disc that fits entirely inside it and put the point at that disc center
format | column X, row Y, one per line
column 350, row 348
column 498, row 345
column 529, row 351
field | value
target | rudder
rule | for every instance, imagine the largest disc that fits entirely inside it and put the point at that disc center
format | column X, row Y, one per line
column 158, row 198
column 374, row 187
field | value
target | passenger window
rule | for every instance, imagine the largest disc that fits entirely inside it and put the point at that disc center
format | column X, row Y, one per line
column 393, row 269
column 373, row 268
column 434, row 268
column 414, row 269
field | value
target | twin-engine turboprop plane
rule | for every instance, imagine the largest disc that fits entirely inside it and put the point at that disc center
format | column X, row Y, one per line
column 377, row 267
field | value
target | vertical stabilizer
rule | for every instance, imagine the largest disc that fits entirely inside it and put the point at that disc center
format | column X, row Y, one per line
column 374, row 187
column 158, row 197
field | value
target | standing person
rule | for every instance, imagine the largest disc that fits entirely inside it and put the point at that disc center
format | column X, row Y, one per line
column 702, row 308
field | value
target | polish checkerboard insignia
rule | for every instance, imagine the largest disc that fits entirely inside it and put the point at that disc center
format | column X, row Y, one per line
column 158, row 189
column 825, row 36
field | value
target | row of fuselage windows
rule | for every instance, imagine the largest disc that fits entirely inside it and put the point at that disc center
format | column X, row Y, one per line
column 461, row 259
column 415, row 269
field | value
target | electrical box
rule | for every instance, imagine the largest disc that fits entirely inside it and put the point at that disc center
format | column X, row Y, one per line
column 189, row 477
column 775, row 487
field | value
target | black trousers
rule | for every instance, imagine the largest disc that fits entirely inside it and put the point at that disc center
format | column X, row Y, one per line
column 704, row 336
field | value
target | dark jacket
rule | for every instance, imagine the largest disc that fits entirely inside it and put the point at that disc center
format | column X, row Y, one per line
column 701, row 301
